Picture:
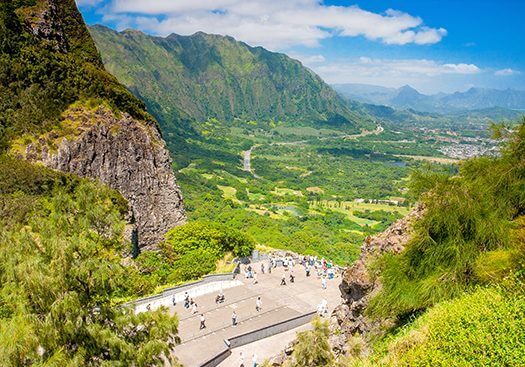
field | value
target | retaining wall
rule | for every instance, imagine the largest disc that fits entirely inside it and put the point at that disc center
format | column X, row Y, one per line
column 269, row 330
column 182, row 288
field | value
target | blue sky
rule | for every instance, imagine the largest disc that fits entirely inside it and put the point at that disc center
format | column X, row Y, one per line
column 433, row 45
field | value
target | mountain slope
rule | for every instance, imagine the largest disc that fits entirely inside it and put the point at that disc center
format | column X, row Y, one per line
column 209, row 76
column 59, row 107
column 408, row 97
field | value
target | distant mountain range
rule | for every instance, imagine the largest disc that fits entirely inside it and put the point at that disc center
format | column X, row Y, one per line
column 409, row 98
column 205, row 76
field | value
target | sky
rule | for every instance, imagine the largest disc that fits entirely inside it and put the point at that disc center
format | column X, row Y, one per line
column 433, row 45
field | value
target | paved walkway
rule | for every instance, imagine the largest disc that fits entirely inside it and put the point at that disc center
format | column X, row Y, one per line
column 279, row 303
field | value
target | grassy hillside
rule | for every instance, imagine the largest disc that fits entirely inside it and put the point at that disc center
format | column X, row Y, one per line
column 455, row 295
column 207, row 76
column 42, row 74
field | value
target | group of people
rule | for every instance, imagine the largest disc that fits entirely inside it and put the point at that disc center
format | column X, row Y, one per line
column 189, row 303
column 241, row 360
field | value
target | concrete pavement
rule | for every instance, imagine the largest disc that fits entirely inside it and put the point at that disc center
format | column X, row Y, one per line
column 279, row 303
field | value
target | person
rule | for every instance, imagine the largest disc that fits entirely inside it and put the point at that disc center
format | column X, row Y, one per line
column 220, row 297
column 308, row 270
column 270, row 266
column 193, row 307
column 241, row 360
column 254, row 360
column 148, row 307
column 203, row 322
column 234, row 319
column 173, row 300
column 323, row 283
column 186, row 300
column 258, row 304
column 255, row 281
column 322, row 308
column 292, row 277
column 262, row 268
column 283, row 280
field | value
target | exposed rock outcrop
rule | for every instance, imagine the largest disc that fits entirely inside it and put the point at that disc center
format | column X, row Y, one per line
column 359, row 284
column 127, row 155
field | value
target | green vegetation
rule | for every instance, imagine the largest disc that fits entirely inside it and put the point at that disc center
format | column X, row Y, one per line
column 41, row 77
column 206, row 77
column 485, row 328
column 191, row 251
column 450, row 253
column 456, row 292
column 60, row 272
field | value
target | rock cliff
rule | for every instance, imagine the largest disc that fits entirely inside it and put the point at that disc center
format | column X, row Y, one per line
column 359, row 283
column 66, row 111
column 122, row 152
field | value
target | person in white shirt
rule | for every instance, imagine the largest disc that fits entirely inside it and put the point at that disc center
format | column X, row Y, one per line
column 258, row 304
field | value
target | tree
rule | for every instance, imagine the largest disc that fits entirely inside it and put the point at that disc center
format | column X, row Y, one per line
column 312, row 348
column 60, row 272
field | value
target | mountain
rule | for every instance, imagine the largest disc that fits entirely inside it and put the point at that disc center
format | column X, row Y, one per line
column 60, row 108
column 408, row 97
column 366, row 93
column 206, row 76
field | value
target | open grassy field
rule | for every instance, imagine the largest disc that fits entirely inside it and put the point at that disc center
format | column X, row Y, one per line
column 349, row 207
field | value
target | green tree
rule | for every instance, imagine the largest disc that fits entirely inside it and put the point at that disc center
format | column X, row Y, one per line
column 312, row 348
column 60, row 271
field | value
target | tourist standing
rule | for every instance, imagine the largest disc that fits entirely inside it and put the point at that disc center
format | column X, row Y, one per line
column 186, row 300
column 258, row 304
column 283, row 280
column 254, row 360
column 203, row 322
column 173, row 300
column 262, row 268
column 241, row 360
column 323, row 283
column 234, row 319
column 193, row 307
column 255, row 281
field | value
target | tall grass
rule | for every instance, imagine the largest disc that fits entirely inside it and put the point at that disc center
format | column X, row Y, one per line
column 464, row 238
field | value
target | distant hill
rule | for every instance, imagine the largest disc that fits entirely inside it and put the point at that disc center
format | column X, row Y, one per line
column 408, row 97
column 206, row 76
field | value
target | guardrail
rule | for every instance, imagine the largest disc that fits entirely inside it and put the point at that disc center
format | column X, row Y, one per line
column 217, row 359
column 269, row 330
column 185, row 287
column 256, row 335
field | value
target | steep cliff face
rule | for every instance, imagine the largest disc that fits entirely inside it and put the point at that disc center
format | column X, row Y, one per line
column 359, row 283
column 210, row 76
column 123, row 153
column 59, row 107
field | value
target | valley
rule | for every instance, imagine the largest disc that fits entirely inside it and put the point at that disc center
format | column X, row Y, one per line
column 142, row 173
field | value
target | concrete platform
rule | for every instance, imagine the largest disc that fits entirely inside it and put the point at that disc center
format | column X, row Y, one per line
column 279, row 303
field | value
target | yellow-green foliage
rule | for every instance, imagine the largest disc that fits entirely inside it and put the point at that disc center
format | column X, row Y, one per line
column 312, row 348
column 60, row 270
column 465, row 237
column 485, row 328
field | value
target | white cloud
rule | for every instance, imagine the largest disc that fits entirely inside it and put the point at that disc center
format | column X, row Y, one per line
column 88, row 3
column 308, row 59
column 506, row 72
column 393, row 72
column 275, row 24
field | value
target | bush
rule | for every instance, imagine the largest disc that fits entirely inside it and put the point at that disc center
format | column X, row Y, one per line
column 215, row 238
column 465, row 237
column 486, row 328
column 193, row 265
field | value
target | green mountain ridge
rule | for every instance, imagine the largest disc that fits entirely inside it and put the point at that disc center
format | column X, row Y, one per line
column 205, row 76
